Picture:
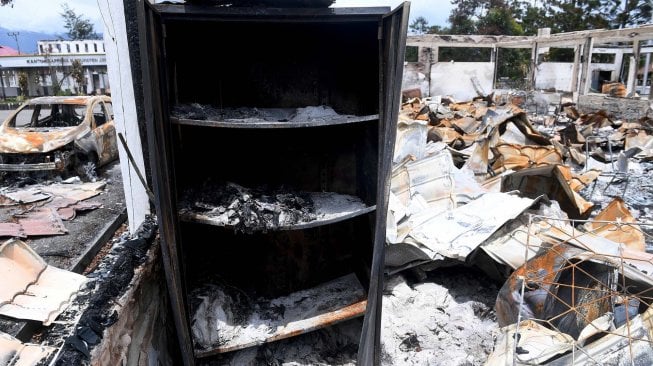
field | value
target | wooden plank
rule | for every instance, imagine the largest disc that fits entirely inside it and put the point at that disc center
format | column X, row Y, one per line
column 303, row 311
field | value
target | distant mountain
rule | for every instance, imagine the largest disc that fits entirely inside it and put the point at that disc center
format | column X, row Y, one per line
column 26, row 40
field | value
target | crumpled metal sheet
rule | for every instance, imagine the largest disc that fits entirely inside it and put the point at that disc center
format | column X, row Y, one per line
column 411, row 139
column 534, row 342
column 67, row 209
column 31, row 288
column 39, row 222
column 519, row 240
column 513, row 135
column 517, row 157
column 615, row 226
column 454, row 234
column 642, row 140
column 579, row 279
column 28, row 195
column 16, row 353
column 543, row 298
column 444, row 134
column 414, row 109
column 430, row 177
column 578, row 181
column 629, row 344
column 78, row 192
column 548, row 180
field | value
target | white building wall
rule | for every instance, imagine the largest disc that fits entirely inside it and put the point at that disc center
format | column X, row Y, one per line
column 554, row 75
column 124, row 107
column 455, row 78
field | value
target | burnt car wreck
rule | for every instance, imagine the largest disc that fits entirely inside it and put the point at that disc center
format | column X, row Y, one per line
column 58, row 135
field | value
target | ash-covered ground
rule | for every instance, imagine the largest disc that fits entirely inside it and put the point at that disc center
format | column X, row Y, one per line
column 446, row 319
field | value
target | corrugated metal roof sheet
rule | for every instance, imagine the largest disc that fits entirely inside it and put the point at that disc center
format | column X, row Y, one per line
column 31, row 288
column 15, row 353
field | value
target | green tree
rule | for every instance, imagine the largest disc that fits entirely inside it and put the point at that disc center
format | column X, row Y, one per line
column 575, row 15
column 532, row 18
column 77, row 73
column 499, row 21
column 622, row 14
column 419, row 25
column 77, row 27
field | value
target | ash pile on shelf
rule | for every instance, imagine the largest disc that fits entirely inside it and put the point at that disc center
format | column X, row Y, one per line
column 202, row 112
column 250, row 210
column 334, row 345
column 226, row 316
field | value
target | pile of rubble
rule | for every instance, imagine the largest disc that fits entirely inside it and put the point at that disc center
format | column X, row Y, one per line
column 489, row 186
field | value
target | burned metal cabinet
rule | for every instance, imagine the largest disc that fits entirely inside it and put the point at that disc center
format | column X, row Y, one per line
column 270, row 165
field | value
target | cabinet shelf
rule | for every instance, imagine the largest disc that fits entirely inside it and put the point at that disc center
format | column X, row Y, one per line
column 206, row 116
column 251, row 212
column 220, row 326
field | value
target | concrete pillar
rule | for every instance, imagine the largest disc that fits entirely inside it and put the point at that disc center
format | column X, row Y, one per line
column 632, row 69
column 618, row 60
column 543, row 33
column 89, row 81
column 585, row 79
column 124, row 107
column 533, row 74
column 495, row 59
column 647, row 66
column 575, row 77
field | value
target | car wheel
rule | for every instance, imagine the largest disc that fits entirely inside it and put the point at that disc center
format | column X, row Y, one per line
column 85, row 167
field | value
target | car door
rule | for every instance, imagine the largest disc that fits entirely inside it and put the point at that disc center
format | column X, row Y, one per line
column 105, row 132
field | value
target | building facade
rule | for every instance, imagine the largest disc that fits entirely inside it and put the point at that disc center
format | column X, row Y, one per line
column 49, row 71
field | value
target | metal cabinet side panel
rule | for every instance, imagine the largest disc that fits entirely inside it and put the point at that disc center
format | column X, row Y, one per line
column 152, row 35
column 393, row 29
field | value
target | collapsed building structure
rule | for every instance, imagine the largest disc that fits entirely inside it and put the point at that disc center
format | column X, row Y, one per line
column 598, row 57
column 530, row 189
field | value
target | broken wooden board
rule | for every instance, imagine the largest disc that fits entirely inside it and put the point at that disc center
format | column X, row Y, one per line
column 223, row 324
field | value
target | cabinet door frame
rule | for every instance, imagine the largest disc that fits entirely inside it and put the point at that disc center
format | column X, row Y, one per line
column 392, row 47
column 159, row 137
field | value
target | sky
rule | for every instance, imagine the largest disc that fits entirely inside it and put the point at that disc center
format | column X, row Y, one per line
column 435, row 11
column 44, row 15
